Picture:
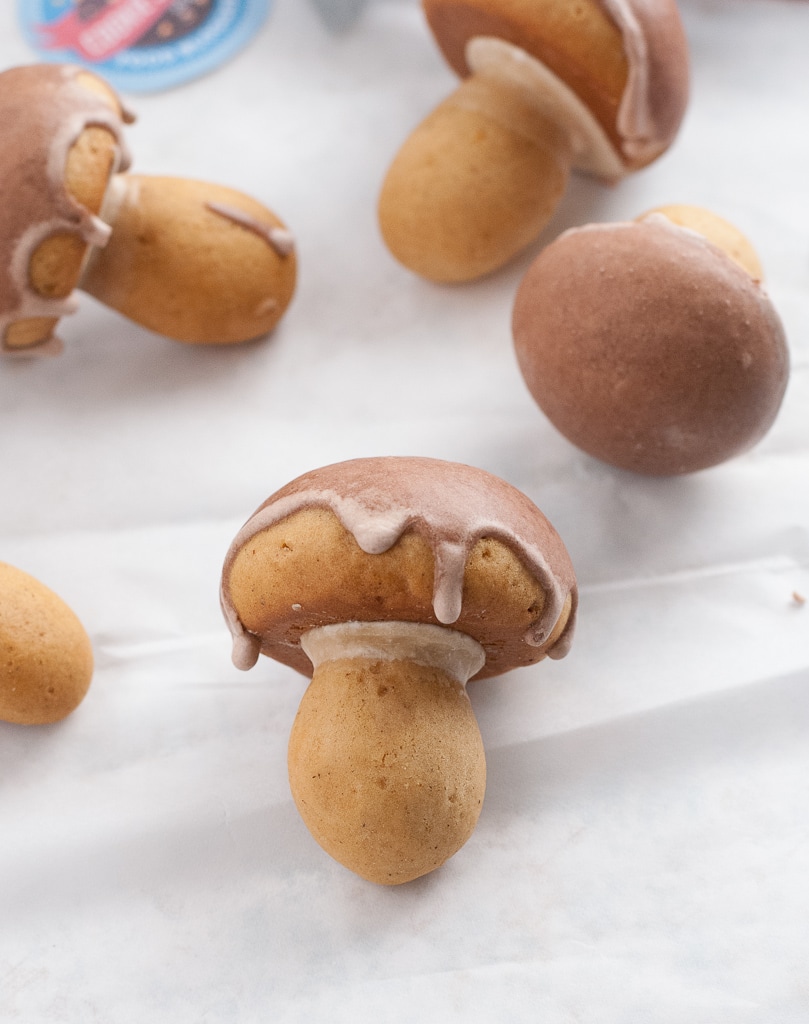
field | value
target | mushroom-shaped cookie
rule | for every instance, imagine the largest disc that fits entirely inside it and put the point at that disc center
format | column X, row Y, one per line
column 198, row 263
column 598, row 85
column 46, row 661
column 652, row 344
column 392, row 581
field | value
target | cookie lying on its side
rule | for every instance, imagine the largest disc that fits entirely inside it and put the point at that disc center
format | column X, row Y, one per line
column 196, row 262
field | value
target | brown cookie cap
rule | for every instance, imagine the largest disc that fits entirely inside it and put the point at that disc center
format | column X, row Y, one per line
column 648, row 347
column 637, row 89
column 448, row 507
column 44, row 109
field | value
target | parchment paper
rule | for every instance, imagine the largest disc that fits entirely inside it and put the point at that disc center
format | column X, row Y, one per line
column 642, row 852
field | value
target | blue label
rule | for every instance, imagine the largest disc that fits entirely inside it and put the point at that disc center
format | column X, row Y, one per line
column 141, row 45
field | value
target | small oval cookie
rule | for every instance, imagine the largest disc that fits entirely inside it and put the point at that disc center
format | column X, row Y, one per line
column 46, row 659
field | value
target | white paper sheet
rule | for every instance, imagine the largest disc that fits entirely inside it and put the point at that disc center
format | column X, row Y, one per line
column 642, row 851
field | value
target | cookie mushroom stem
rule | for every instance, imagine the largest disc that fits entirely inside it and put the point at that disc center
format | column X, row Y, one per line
column 475, row 183
column 386, row 761
column 196, row 262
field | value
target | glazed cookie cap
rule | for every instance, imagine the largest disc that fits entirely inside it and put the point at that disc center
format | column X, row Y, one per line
column 400, row 539
column 45, row 110
column 649, row 347
column 196, row 262
column 626, row 60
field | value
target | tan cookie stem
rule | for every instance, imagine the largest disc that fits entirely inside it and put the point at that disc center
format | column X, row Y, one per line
column 194, row 261
column 475, row 183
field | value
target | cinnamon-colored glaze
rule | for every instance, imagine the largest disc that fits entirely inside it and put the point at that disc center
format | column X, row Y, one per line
column 649, row 347
column 626, row 60
column 61, row 140
column 400, row 539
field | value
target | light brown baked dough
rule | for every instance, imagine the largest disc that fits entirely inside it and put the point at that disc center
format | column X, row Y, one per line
column 227, row 281
column 46, row 659
column 548, row 85
column 392, row 582
column 386, row 766
column 652, row 344
column 308, row 571
column 198, row 263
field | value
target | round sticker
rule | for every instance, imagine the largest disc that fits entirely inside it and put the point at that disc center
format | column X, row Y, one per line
column 141, row 45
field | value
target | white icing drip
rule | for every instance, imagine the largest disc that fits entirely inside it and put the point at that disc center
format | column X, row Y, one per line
column 456, row 654
column 246, row 649
column 121, row 189
column 450, row 568
column 539, row 631
column 634, row 123
column 280, row 239
column 32, row 304
column 98, row 233
column 373, row 534
column 70, row 130
column 591, row 148
column 104, row 115
column 246, row 646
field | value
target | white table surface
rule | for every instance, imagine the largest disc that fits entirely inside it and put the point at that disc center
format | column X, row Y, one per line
column 642, row 852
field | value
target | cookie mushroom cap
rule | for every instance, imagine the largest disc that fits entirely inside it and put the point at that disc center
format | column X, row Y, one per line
column 652, row 344
column 391, row 582
column 61, row 133
column 415, row 538
column 626, row 61
column 197, row 263
column 46, row 658
column 548, row 85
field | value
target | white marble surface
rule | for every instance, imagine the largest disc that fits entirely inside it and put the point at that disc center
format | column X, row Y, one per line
column 642, row 852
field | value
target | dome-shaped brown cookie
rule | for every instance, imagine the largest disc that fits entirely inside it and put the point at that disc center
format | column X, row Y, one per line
column 649, row 346
column 198, row 263
column 46, row 660
column 416, row 540
column 393, row 581
column 548, row 85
